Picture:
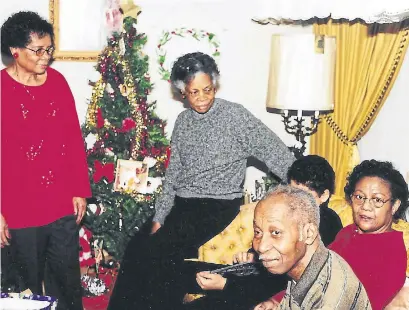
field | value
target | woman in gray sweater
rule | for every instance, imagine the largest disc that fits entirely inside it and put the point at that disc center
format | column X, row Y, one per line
column 203, row 187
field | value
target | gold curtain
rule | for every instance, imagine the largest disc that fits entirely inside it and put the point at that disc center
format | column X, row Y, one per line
column 368, row 60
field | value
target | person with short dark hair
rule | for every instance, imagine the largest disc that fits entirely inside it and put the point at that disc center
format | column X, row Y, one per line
column 287, row 239
column 44, row 169
column 378, row 195
column 203, row 186
column 314, row 174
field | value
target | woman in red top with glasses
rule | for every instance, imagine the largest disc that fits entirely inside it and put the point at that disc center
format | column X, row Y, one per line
column 376, row 253
column 44, row 177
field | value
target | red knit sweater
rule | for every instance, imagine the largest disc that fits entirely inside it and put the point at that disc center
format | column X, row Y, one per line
column 43, row 162
column 378, row 260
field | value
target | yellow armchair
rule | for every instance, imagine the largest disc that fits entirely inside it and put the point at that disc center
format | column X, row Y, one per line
column 237, row 237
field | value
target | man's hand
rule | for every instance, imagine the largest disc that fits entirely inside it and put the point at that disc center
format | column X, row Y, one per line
column 155, row 227
column 269, row 304
column 5, row 234
column 210, row 281
column 79, row 207
column 243, row 257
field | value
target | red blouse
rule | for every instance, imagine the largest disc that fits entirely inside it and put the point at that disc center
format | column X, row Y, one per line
column 43, row 162
column 378, row 260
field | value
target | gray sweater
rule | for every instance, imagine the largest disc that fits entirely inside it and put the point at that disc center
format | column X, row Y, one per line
column 209, row 154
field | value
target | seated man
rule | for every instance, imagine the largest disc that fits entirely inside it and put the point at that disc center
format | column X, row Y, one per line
column 286, row 238
column 311, row 173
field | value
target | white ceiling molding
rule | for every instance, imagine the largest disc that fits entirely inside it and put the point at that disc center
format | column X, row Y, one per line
column 374, row 11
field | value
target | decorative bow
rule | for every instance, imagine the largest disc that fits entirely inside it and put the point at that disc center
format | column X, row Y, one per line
column 103, row 170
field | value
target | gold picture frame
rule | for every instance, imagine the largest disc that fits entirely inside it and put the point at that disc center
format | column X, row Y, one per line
column 68, row 55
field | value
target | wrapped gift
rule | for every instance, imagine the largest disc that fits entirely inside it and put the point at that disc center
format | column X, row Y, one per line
column 10, row 301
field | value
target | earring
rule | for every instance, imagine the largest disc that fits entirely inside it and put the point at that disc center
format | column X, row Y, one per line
column 15, row 55
column 183, row 97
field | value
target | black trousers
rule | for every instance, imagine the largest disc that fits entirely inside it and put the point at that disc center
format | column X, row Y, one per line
column 48, row 253
column 153, row 273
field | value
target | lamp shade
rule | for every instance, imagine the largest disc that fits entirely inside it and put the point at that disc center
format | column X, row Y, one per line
column 302, row 73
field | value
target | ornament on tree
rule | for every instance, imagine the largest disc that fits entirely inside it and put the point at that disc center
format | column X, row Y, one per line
column 122, row 47
column 149, row 161
column 100, row 119
column 90, row 140
column 127, row 125
column 109, row 152
column 109, row 89
column 124, row 90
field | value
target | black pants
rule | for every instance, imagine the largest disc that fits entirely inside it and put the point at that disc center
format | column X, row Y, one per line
column 153, row 273
column 48, row 253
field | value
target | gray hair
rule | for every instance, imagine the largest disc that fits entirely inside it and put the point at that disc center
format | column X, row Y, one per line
column 180, row 85
column 188, row 66
column 300, row 203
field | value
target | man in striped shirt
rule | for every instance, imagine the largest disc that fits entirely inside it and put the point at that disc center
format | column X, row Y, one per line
column 286, row 237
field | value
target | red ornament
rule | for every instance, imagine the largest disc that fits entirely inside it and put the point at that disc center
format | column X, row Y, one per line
column 127, row 125
column 167, row 156
column 15, row 55
column 103, row 170
column 100, row 119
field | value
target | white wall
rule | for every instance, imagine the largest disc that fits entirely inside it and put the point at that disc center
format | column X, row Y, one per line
column 243, row 63
column 388, row 138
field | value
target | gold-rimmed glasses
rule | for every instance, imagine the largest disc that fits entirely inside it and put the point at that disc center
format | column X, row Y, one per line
column 40, row 52
column 360, row 200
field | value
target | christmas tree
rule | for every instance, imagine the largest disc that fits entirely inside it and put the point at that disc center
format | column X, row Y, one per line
column 122, row 125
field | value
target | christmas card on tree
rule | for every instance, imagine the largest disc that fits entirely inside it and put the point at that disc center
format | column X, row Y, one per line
column 131, row 176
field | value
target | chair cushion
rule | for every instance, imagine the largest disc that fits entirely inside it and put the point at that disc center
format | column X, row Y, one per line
column 237, row 237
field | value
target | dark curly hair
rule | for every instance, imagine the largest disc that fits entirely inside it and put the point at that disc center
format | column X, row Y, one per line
column 385, row 171
column 18, row 28
column 187, row 66
column 314, row 172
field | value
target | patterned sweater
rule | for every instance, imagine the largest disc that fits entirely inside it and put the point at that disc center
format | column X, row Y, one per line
column 327, row 283
column 209, row 154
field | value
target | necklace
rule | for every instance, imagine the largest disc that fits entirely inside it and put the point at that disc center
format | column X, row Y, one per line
column 24, row 86
column 24, row 110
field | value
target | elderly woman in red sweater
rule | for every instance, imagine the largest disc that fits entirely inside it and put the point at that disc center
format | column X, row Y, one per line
column 44, row 172
column 378, row 195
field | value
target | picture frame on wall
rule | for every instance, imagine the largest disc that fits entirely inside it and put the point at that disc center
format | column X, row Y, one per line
column 79, row 29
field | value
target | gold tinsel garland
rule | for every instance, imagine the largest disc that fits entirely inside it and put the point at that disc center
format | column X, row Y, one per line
column 133, row 101
column 97, row 93
column 129, row 93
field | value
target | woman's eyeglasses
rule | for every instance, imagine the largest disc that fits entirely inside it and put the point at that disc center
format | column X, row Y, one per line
column 360, row 200
column 40, row 52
